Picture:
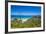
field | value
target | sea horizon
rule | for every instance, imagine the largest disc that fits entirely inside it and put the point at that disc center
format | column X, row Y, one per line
column 23, row 16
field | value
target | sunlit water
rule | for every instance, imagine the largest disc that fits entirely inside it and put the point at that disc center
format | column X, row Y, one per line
column 23, row 18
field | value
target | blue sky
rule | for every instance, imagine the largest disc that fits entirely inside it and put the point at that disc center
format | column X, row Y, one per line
column 25, row 10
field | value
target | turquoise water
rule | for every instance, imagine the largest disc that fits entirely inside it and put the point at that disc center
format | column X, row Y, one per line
column 20, row 16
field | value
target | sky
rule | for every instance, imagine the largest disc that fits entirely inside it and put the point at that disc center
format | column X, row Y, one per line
column 25, row 10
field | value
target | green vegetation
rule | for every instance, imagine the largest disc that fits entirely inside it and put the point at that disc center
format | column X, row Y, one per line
column 30, row 23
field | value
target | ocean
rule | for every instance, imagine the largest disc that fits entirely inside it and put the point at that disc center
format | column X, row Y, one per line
column 20, row 16
column 23, row 17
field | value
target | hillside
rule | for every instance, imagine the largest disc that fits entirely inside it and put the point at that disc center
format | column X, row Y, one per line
column 35, row 21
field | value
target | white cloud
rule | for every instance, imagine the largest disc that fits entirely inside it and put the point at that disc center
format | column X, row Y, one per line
column 25, row 13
